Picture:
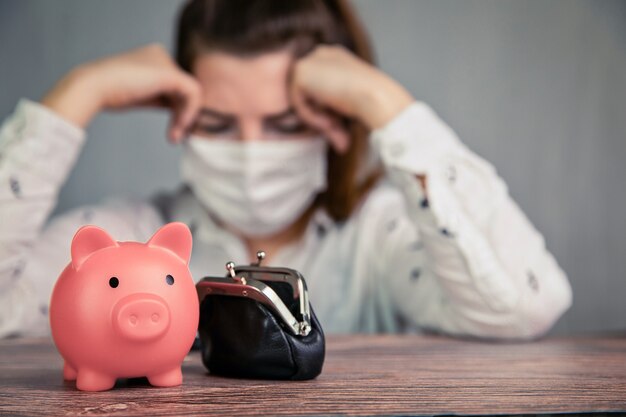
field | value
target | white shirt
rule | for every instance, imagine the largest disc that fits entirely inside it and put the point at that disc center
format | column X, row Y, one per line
column 465, row 261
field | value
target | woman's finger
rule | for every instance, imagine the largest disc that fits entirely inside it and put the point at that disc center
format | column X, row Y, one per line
column 173, row 132
column 185, row 93
column 305, row 110
column 320, row 120
column 339, row 136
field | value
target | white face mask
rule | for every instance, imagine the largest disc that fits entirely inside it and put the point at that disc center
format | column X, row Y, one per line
column 257, row 187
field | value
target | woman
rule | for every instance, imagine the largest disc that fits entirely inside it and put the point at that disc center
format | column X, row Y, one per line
column 296, row 144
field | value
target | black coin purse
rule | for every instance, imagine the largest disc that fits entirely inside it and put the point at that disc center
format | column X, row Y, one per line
column 257, row 322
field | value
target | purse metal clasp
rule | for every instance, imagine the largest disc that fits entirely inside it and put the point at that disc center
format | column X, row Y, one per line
column 247, row 281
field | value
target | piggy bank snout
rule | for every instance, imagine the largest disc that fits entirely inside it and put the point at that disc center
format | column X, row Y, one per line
column 141, row 317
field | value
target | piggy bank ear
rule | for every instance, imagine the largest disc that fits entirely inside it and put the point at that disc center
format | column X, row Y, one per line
column 174, row 237
column 86, row 241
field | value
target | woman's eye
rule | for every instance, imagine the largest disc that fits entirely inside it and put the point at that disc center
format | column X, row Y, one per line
column 114, row 282
column 295, row 127
column 169, row 279
column 213, row 129
column 216, row 129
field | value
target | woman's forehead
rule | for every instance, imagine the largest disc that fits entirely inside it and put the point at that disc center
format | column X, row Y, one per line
column 241, row 85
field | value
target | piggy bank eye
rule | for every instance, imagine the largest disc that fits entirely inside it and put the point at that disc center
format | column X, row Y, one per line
column 114, row 282
column 169, row 279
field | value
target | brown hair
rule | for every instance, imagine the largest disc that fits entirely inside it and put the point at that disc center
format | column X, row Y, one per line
column 258, row 26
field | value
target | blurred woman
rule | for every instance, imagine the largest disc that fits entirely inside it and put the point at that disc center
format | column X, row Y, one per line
column 294, row 143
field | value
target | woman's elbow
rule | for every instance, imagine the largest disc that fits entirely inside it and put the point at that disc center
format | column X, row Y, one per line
column 535, row 317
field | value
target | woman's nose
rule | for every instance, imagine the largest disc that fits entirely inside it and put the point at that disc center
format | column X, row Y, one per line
column 250, row 130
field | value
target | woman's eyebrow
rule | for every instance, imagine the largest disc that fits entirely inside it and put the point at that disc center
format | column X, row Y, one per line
column 283, row 114
column 205, row 111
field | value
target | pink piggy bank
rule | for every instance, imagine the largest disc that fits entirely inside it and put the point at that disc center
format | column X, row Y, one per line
column 125, row 309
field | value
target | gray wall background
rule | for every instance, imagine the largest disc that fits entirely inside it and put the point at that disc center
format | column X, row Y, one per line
column 536, row 87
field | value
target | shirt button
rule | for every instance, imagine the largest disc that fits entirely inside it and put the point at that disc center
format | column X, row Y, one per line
column 15, row 187
column 415, row 274
column 451, row 173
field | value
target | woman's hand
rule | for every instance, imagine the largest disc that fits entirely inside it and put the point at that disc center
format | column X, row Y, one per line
column 330, row 80
column 142, row 77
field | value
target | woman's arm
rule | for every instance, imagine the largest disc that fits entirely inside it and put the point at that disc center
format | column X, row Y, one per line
column 37, row 151
column 484, row 270
column 39, row 145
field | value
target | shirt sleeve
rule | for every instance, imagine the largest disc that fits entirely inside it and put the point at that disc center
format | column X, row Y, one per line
column 483, row 269
column 38, row 149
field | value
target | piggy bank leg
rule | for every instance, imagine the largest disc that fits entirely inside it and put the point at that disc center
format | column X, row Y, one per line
column 89, row 380
column 69, row 373
column 170, row 378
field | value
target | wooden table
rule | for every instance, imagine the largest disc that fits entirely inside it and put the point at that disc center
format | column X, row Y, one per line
column 363, row 375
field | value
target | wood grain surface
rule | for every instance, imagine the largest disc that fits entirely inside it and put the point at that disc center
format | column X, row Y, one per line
column 363, row 375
